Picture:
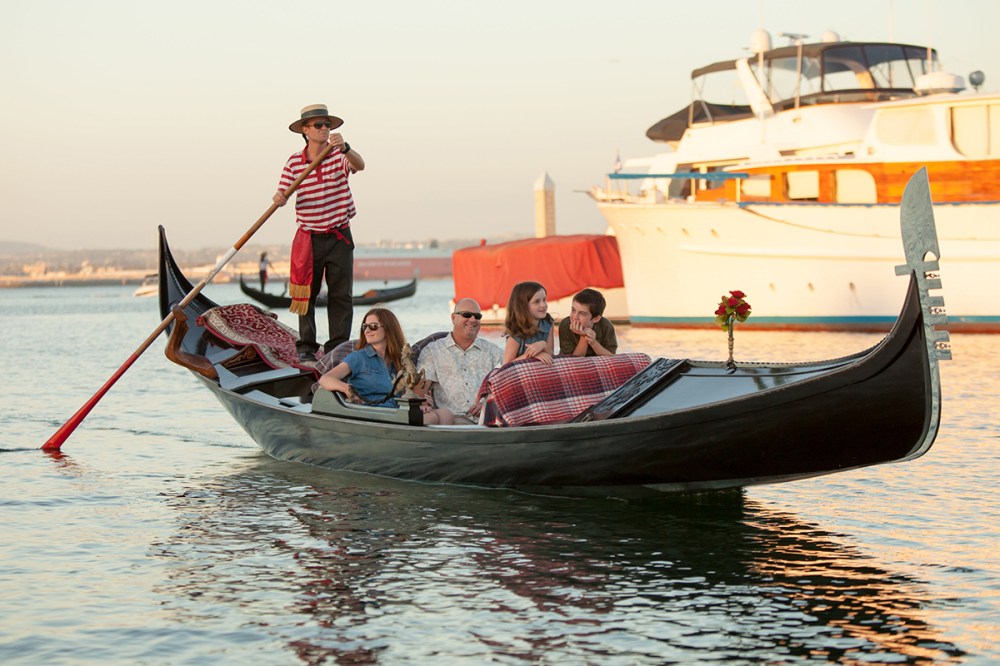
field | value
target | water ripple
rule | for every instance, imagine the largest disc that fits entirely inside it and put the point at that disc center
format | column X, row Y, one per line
column 160, row 535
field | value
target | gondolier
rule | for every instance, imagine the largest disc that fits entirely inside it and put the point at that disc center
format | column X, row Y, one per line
column 323, row 245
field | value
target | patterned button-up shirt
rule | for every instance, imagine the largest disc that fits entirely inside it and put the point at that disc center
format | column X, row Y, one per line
column 458, row 373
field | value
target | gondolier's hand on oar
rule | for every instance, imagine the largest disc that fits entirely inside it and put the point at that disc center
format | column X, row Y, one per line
column 279, row 198
column 337, row 141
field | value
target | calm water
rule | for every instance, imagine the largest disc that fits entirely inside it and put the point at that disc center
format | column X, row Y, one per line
column 162, row 536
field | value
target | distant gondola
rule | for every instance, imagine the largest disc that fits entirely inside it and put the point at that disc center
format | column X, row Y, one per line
column 370, row 297
column 676, row 426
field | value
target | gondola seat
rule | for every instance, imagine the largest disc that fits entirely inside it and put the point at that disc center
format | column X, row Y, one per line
column 332, row 359
column 528, row 392
column 243, row 325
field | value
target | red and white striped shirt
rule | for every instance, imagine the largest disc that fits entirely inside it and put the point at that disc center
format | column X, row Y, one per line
column 323, row 201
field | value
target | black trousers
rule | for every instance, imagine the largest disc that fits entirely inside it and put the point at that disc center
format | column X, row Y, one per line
column 333, row 259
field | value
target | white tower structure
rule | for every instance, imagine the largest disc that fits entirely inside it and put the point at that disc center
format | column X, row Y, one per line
column 545, row 206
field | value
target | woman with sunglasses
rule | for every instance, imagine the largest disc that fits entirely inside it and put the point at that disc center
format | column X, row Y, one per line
column 373, row 365
column 323, row 245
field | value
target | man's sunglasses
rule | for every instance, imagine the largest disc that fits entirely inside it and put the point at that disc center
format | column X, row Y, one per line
column 374, row 326
column 321, row 125
column 466, row 315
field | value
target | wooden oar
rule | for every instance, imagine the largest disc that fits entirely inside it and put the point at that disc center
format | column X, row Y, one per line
column 56, row 441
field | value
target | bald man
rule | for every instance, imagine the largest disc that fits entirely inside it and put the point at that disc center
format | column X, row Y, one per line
column 456, row 365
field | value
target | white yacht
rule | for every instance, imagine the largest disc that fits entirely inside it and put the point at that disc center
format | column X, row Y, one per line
column 783, row 178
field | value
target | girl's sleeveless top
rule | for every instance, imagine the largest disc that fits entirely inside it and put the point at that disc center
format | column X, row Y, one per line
column 544, row 326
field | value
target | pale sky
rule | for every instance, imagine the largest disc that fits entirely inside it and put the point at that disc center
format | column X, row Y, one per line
column 121, row 115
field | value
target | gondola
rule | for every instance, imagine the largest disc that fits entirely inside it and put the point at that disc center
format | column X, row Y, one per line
column 677, row 425
column 370, row 297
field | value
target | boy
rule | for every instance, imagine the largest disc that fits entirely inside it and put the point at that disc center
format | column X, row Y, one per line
column 586, row 332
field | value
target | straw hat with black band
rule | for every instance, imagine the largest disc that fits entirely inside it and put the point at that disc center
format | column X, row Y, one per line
column 312, row 112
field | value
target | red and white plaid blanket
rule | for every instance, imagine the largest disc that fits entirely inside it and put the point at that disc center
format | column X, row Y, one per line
column 244, row 324
column 528, row 392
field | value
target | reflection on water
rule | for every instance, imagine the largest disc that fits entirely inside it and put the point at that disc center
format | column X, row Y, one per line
column 162, row 536
column 379, row 570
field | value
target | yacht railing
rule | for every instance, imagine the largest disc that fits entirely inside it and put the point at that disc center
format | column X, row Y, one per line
column 697, row 178
column 693, row 175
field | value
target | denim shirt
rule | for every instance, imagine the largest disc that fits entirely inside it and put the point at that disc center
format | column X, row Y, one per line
column 544, row 326
column 370, row 377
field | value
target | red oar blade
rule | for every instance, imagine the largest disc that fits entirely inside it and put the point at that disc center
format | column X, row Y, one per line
column 56, row 441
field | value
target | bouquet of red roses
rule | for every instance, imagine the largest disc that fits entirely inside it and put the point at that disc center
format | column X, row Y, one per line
column 732, row 306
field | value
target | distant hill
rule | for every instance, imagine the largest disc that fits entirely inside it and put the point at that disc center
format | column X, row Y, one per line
column 9, row 248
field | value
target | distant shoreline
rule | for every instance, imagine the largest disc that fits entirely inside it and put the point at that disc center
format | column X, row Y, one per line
column 78, row 280
column 365, row 268
column 370, row 263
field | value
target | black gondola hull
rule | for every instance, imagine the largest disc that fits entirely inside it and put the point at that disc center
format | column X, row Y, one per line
column 278, row 301
column 709, row 427
column 849, row 423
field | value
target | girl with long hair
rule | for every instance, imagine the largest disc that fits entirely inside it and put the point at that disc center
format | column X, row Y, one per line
column 528, row 325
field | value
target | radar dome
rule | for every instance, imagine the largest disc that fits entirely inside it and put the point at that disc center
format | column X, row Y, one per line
column 939, row 82
column 760, row 41
column 829, row 37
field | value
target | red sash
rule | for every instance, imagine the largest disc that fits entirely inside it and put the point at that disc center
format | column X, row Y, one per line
column 300, row 273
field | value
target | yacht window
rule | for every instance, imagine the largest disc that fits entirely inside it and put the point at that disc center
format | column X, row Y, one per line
column 917, row 61
column 719, row 93
column 888, row 66
column 873, row 66
column 855, row 186
column 679, row 188
column 844, row 68
column 783, row 77
column 905, row 127
column 970, row 130
column 803, row 185
column 758, row 185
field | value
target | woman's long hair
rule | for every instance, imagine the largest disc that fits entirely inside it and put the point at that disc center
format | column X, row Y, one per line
column 519, row 322
column 394, row 339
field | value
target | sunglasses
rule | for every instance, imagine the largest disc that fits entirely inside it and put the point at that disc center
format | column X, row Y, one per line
column 374, row 326
column 326, row 124
column 466, row 315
